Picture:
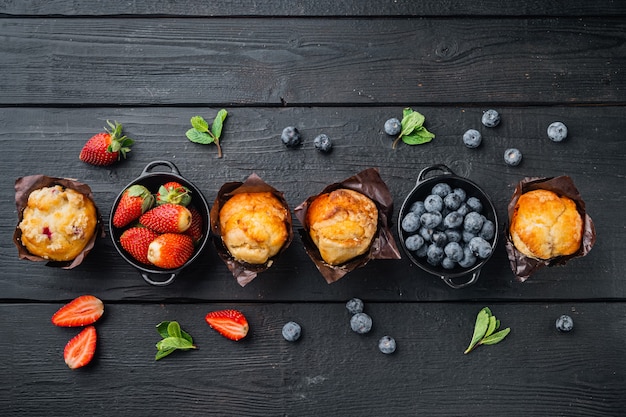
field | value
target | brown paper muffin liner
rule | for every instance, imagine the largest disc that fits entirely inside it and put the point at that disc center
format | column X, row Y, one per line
column 26, row 185
column 370, row 184
column 244, row 272
column 523, row 266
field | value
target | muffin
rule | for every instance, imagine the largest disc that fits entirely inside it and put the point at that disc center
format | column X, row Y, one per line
column 254, row 226
column 342, row 224
column 57, row 223
column 545, row 225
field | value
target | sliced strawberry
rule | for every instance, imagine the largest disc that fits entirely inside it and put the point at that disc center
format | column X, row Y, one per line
column 136, row 242
column 80, row 350
column 167, row 218
column 173, row 192
column 170, row 250
column 106, row 147
column 231, row 324
column 195, row 229
column 135, row 201
column 81, row 311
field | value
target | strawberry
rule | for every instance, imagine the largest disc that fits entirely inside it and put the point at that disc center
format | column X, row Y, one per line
column 170, row 250
column 106, row 147
column 167, row 218
column 135, row 201
column 136, row 241
column 231, row 324
column 81, row 311
column 80, row 349
column 195, row 229
column 175, row 193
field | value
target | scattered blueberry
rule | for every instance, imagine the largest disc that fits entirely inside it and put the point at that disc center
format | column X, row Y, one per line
column 441, row 189
column 411, row 222
column 491, row 118
column 291, row 137
column 355, row 305
column 472, row 138
column 433, row 202
column 565, row 323
column 387, row 345
column 361, row 323
column 323, row 143
column 291, row 331
column 393, row 126
column 512, row 156
column 557, row 131
column 414, row 242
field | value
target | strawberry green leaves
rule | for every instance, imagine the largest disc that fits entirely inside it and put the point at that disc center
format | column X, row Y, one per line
column 413, row 132
column 486, row 325
column 174, row 338
column 204, row 134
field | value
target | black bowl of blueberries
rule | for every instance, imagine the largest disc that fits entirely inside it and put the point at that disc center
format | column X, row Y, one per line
column 448, row 226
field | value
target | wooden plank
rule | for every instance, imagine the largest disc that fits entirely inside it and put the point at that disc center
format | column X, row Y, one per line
column 329, row 371
column 217, row 62
column 313, row 8
column 48, row 140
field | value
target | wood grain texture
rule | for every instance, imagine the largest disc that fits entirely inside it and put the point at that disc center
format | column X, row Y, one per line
column 47, row 141
column 329, row 371
column 295, row 62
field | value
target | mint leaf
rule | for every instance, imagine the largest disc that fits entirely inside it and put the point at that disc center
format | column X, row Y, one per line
column 203, row 134
column 413, row 132
column 174, row 343
column 199, row 124
column 174, row 338
column 496, row 337
column 199, row 137
column 218, row 123
column 173, row 329
column 163, row 353
column 486, row 324
column 418, row 137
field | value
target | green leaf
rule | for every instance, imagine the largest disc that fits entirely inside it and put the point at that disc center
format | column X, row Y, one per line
column 162, row 329
column 496, row 337
column 174, row 343
column 418, row 137
column 199, row 137
column 199, row 124
column 480, row 328
column 186, row 336
column 411, row 121
column 174, row 338
column 492, row 326
column 173, row 329
column 218, row 123
column 163, row 353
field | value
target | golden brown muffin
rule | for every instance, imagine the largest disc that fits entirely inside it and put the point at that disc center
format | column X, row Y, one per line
column 57, row 223
column 253, row 226
column 342, row 224
column 545, row 225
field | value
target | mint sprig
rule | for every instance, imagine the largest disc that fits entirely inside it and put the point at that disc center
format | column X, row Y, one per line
column 486, row 325
column 174, row 338
column 413, row 131
column 204, row 134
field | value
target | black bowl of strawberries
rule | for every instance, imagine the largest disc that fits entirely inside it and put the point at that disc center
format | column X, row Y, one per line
column 159, row 223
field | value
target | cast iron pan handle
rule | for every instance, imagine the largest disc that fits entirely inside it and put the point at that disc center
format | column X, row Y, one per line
column 153, row 164
column 158, row 283
column 456, row 286
column 437, row 167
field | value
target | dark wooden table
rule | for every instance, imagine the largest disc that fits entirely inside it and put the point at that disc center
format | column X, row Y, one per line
column 340, row 68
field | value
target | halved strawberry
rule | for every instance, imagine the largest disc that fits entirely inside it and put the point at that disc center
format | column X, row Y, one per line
column 81, row 311
column 106, row 147
column 136, row 241
column 170, row 250
column 80, row 350
column 230, row 323
column 195, row 229
column 135, row 201
column 173, row 192
column 167, row 218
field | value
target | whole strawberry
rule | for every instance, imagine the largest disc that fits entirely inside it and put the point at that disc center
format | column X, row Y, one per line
column 106, row 148
column 167, row 218
column 170, row 250
column 173, row 192
column 195, row 229
column 136, row 242
column 135, row 201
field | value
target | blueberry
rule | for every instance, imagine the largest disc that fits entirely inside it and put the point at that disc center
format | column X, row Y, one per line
column 441, row 189
column 565, row 323
column 433, row 202
column 414, row 242
column 512, row 157
column 355, row 305
column 469, row 259
column 291, row 137
column 453, row 220
column 488, row 230
column 431, row 220
column 472, row 138
column 453, row 235
column 491, row 118
column 467, row 236
column 422, row 251
column 434, row 255
column 426, row 233
column 473, row 222
column 439, row 238
column 361, row 323
column 475, row 204
column 557, row 131
column 393, row 126
column 387, row 345
column 418, row 208
column 480, row 247
column 452, row 201
column 447, row 263
column 461, row 192
column 454, row 251
column 323, row 143
column 291, row 331
column 463, row 209
column 410, row 222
